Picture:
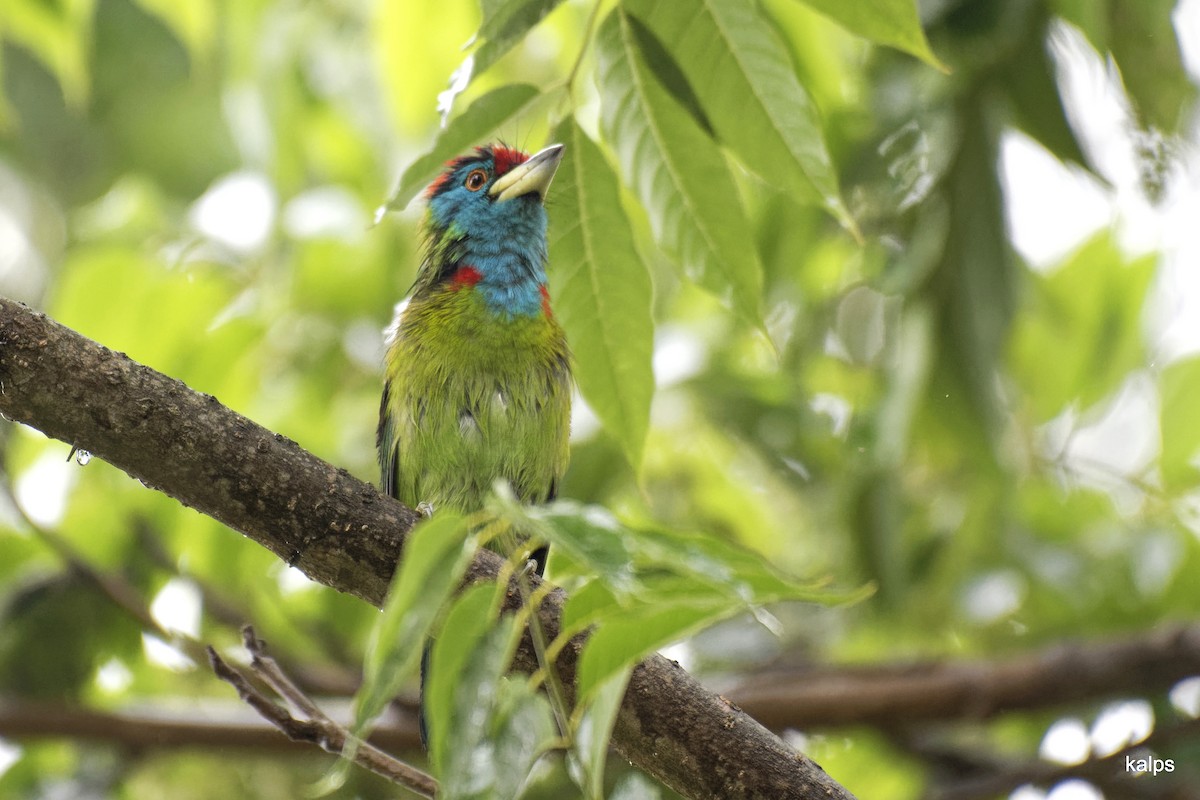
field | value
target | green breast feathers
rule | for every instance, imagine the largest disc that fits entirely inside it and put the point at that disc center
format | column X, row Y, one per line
column 471, row 397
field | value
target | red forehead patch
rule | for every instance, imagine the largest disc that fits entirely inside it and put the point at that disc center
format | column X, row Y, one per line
column 506, row 158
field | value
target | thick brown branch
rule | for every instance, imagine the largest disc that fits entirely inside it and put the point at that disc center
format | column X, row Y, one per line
column 342, row 532
column 1062, row 674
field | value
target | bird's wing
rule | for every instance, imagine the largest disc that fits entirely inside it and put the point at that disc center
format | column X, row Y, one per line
column 385, row 442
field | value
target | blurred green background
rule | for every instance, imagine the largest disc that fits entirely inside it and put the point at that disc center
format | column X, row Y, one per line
column 985, row 407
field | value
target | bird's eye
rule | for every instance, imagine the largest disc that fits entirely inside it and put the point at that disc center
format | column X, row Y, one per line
column 476, row 178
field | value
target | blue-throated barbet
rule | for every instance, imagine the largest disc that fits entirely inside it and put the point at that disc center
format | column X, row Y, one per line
column 478, row 373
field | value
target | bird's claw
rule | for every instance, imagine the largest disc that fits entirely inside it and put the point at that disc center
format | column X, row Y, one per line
column 425, row 509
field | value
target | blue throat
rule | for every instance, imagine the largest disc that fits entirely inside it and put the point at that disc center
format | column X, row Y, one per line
column 511, row 282
column 506, row 243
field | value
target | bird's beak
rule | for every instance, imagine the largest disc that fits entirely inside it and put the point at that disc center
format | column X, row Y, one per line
column 532, row 176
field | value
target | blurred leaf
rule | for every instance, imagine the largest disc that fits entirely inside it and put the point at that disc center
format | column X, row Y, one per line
column 417, row 45
column 602, row 292
column 472, row 127
column 745, row 82
column 6, row 110
column 891, row 22
column 1080, row 337
column 504, row 24
column 976, row 281
column 173, row 103
column 86, row 629
column 1032, row 82
column 193, row 21
column 58, row 34
column 180, row 306
column 1179, row 392
column 1144, row 45
column 436, row 556
column 1089, row 16
column 678, row 173
column 908, row 378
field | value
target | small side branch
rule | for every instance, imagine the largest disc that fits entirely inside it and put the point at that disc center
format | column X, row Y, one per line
column 317, row 728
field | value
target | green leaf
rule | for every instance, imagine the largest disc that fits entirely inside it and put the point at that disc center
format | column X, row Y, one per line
column 643, row 565
column 678, row 172
column 469, row 128
column 469, row 619
column 1081, row 335
column 436, row 556
column 521, row 731
column 594, row 730
column 504, row 24
column 726, row 569
column 895, row 23
column 745, row 82
column 487, row 731
column 1179, row 392
column 589, row 536
column 585, row 604
column 624, row 640
column 602, row 292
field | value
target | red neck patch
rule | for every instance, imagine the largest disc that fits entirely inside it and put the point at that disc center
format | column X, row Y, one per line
column 465, row 277
column 545, row 301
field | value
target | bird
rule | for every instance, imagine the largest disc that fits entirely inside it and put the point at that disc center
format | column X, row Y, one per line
column 477, row 372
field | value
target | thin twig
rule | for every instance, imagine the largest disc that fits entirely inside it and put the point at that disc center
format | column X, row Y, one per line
column 268, row 669
column 318, row 729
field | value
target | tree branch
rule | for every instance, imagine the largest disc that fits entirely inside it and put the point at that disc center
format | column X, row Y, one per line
column 1062, row 674
column 223, row 725
column 343, row 533
column 318, row 728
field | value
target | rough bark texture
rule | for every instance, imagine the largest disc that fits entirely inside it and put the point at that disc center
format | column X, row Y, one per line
column 343, row 533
